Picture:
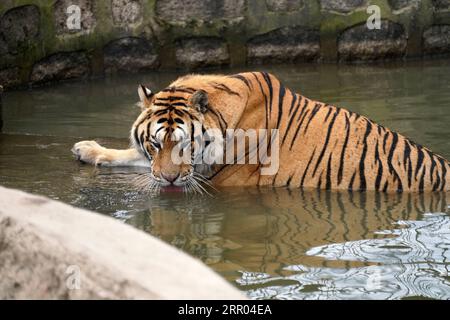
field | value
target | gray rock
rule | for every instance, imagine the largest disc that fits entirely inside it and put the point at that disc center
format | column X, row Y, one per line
column 288, row 44
column 341, row 6
column 3, row 46
column 436, row 40
column 201, row 52
column 60, row 66
column 1, row 109
column 49, row 250
column 18, row 27
column 176, row 11
column 363, row 44
column 126, row 12
column 88, row 20
column 441, row 4
column 401, row 4
column 10, row 78
column 130, row 55
column 284, row 5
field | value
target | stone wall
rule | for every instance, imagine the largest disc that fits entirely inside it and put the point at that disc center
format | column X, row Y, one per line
column 116, row 36
column 49, row 250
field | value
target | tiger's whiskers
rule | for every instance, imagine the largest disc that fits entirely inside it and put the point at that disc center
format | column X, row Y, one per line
column 146, row 183
column 196, row 183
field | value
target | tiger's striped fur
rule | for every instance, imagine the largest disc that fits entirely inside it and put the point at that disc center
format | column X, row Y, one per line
column 321, row 146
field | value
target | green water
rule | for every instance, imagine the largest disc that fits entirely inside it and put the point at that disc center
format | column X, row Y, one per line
column 270, row 243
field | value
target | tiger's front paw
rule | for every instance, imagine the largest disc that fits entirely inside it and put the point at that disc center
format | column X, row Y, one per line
column 90, row 152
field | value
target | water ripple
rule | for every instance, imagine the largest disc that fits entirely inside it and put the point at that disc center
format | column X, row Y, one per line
column 411, row 261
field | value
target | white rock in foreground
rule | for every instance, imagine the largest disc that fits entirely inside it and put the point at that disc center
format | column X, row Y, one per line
column 44, row 243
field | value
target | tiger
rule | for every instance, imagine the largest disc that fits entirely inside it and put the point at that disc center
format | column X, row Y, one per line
column 320, row 146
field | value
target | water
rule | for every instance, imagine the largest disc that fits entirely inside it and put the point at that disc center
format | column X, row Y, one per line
column 270, row 243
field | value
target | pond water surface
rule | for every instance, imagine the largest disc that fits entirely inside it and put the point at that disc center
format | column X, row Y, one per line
column 270, row 243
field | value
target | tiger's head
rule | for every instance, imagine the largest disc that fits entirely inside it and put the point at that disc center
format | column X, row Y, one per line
column 168, row 132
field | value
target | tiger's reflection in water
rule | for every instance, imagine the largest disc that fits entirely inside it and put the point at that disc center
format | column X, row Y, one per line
column 280, row 243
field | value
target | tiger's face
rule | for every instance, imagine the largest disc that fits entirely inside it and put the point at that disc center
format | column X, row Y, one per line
column 171, row 122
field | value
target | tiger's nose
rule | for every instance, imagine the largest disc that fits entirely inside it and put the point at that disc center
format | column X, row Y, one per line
column 171, row 177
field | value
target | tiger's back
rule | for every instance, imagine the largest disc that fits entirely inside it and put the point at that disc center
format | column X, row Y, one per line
column 327, row 147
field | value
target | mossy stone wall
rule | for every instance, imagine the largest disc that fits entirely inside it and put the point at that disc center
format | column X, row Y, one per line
column 118, row 36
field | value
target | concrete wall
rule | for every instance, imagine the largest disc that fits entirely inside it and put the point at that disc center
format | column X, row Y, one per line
column 49, row 250
column 139, row 35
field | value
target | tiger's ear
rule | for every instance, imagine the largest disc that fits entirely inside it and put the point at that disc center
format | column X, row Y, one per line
column 199, row 101
column 146, row 95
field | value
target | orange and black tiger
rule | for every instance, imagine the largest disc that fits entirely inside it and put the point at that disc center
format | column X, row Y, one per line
column 319, row 145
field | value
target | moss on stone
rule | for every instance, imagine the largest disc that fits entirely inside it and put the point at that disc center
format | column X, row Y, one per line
column 257, row 19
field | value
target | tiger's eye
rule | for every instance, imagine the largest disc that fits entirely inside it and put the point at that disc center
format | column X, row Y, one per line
column 156, row 145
